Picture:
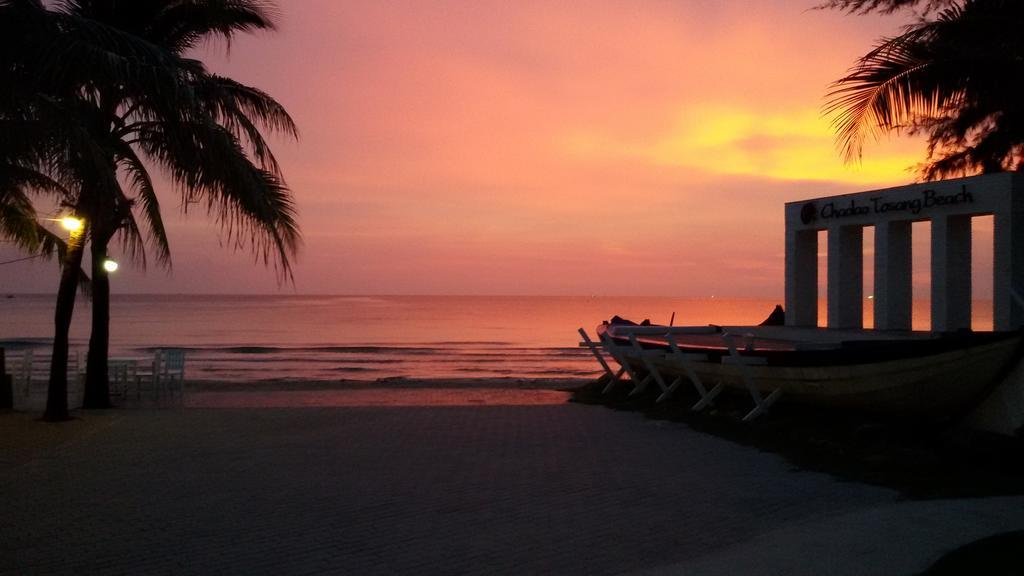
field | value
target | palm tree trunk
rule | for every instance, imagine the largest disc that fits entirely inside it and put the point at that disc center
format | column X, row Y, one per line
column 97, row 383
column 57, row 393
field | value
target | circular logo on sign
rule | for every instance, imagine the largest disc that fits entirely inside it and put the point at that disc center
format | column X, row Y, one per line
column 809, row 213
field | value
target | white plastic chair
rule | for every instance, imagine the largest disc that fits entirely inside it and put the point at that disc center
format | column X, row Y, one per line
column 23, row 382
column 167, row 373
column 76, row 379
column 173, row 375
column 31, row 380
column 120, row 374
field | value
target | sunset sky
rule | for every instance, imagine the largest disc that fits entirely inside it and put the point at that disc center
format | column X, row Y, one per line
column 537, row 147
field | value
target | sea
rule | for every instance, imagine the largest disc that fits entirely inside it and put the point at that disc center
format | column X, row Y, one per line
column 282, row 339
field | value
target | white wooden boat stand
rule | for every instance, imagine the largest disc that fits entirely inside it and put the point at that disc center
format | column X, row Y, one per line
column 650, row 359
column 612, row 350
column 761, row 404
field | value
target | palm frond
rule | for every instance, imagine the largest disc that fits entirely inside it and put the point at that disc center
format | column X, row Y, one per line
column 874, row 97
column 183, row 24
column 955, row 77
column 92, row 55
column 243, row 110
column 892, row 87
column 24, row 179
column 883, row 6
column 145, row 194
column 249, row 101
column 252, row 206
column 18, row 221
column 50, row 244
column 131, row 238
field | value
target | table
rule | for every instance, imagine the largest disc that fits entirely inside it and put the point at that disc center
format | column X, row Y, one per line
column 121, row 371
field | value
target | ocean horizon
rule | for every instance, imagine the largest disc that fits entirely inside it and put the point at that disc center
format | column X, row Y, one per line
column 292, row 339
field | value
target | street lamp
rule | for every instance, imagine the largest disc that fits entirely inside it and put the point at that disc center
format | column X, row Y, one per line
column 110, row 265
column 72, row 224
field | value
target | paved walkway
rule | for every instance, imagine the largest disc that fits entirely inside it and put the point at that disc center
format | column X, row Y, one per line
column 899, row 539
column 549, row 489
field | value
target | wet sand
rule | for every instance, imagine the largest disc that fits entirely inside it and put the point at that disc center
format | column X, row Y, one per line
column 362, row 396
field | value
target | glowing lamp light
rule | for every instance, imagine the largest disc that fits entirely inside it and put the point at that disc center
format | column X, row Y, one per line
column 110, row 265
column 71, row 224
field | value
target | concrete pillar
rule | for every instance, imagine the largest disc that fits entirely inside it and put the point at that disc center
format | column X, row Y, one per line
column 1008, row 268
column 845, row 277
column 893, row 276
column 802, row 278
column 951, row 273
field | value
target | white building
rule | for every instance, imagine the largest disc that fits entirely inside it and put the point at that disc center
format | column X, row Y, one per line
column 949, row 206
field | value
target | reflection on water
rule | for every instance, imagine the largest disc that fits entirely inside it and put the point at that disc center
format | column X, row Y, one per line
column 921, row 319
column 331, row 338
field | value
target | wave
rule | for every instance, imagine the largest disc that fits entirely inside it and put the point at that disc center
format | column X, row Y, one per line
column 21, row 343
column 354, row 369
column 561, row 372
column 470, row 342
column 375, row 349
column 313, row 349
column 525, row 359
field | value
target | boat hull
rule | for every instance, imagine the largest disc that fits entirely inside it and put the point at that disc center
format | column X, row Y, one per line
column 937, row 384
column 944, row 382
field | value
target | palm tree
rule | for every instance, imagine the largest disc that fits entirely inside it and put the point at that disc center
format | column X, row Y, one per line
column 39, row 151
column 138, row 102
column 959, row 78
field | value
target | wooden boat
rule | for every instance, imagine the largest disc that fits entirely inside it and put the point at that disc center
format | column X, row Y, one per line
column 936, row 375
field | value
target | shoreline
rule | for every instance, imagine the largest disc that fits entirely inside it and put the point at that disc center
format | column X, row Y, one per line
column 392, row 382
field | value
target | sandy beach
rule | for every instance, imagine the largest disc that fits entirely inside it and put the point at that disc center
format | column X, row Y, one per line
column 440, row 480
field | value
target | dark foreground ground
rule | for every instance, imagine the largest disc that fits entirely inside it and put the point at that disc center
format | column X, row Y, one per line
column 443, row 489
column 919, row 459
